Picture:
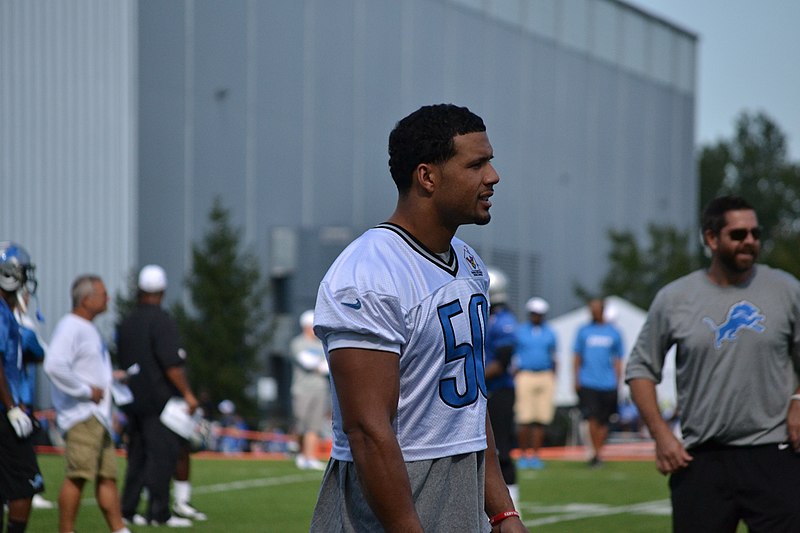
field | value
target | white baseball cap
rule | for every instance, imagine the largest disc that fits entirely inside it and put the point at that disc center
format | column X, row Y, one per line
column 307, row 319
column 537, row 305
column 152, row 278
column 226, row 407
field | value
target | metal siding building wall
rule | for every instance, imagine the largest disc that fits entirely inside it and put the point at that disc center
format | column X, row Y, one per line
column 67, row 144
column 283, row 109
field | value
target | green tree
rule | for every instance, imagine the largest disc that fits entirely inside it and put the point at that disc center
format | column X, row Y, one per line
column 754, row 164
column 638, row 272
column 225, row 326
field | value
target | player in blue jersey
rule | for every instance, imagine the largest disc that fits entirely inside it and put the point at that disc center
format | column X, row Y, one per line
column 402, row 316
column 20, row 477
column 535, row 381
column 598, row 369
column 500, row 378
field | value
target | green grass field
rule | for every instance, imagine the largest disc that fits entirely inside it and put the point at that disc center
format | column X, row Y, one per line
column 273, row 496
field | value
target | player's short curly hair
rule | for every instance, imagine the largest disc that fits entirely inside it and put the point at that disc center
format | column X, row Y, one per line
column 713, row 217
column 426, row 136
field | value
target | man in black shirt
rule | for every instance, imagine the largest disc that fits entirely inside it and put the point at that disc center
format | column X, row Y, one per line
column 149, row 349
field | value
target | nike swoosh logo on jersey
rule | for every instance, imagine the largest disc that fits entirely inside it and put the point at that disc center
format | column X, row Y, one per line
column 353, row 305
column 783, row 446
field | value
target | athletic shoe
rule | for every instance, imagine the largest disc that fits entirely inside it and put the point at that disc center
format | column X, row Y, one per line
column 40, row 503
column 136, row 520
column 173, row 521
column 534, row 463
column 314, row 464
column 304, row 463
column 301, row 462
column 185, row 510
column 595, row 462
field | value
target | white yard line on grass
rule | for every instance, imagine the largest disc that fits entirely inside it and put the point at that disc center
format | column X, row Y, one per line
column 252, row 483
column 571, row 512
column 241, row 485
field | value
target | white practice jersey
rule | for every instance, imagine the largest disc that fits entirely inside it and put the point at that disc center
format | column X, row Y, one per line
column 387, row 292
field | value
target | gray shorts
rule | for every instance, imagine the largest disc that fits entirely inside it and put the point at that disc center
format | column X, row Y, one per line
column 448, row 497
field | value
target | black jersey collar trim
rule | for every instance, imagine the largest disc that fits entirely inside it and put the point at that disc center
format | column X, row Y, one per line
column 450, row 266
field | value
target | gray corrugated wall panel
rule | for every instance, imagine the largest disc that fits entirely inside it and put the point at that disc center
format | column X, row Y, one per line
column 66, row 140
column 579, row 139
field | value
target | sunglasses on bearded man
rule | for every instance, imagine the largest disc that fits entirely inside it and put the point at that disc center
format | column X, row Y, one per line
column 740, row 234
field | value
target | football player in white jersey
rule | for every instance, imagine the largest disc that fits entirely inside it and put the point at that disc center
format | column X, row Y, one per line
column 402, row 315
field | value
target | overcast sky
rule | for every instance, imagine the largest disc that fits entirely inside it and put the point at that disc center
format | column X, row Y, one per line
column 749, row 59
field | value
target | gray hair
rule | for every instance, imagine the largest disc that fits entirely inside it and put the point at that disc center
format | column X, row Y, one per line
column 82, row 287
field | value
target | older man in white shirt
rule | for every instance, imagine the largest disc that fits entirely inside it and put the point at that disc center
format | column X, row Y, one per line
column 79, row 366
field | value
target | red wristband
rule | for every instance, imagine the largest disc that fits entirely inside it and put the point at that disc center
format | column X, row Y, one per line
column 499, row 517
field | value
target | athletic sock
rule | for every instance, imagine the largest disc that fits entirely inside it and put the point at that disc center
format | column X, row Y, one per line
column 183, row 491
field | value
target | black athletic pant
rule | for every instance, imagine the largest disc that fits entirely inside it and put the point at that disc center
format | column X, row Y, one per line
column 152, row 455
column 759, row 485
column 501, row 411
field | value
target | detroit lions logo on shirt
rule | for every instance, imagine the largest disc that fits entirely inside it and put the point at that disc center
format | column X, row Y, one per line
column 741, row 315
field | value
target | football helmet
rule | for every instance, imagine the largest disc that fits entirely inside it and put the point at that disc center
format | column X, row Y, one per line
column 498, row 286
column 16, row 269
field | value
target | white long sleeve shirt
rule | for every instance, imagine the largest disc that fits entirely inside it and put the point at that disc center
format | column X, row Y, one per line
column 76, row 360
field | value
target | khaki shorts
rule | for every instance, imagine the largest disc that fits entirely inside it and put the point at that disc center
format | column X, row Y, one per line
column 534, row 397
column 90, row 452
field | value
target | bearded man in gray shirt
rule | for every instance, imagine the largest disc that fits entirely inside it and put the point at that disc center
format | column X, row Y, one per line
column 736, row 327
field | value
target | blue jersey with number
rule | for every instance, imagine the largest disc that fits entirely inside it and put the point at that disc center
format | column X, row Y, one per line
column 387, row 292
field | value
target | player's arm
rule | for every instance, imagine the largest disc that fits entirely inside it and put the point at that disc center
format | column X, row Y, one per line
column 21, row 423
column 618, row 368
column 576, row 368
column 5, row 392
column 670, row 453
column 368, row 388
column 177, row 376
column 497, row 499
column 793, row 421
column 497, row 366
column 58, row 367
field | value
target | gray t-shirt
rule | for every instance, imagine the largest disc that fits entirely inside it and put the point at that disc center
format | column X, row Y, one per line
column 738, row 355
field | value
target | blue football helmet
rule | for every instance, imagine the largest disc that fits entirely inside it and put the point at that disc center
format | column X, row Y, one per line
column 16, row 269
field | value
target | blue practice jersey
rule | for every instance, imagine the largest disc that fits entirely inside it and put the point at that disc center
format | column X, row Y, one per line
column 10, row 345
column 536, row 347
column 502, row 325
column 598, row 346
column 387, row 292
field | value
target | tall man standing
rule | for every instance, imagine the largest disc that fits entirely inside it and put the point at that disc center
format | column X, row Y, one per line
column 79, row 367
column 736, row 327
column 598, row 369
column 149, row 349
column 402, row 315
column 535, row 381
column 20, row 477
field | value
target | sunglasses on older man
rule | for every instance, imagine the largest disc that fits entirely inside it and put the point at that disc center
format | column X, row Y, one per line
column 740, row 234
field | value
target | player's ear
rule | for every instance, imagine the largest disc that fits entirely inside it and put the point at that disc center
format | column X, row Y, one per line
column 425, row 175
column 709, row 239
